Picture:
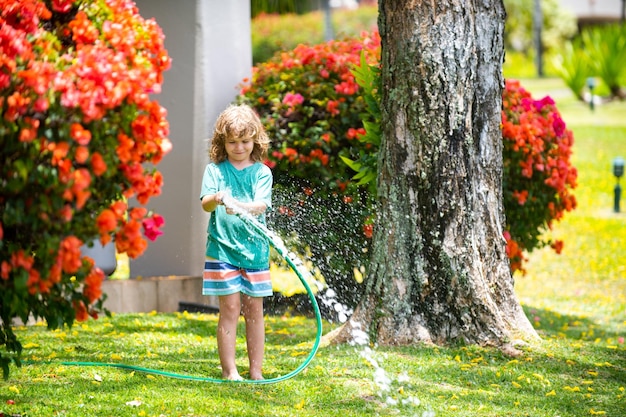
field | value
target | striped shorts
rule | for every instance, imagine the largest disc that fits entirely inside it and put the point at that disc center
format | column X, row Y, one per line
column 221, row 278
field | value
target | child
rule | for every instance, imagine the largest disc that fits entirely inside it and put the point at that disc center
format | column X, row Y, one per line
column 237, row 256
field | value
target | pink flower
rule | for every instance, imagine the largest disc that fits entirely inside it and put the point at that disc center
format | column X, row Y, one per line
column 151, row 226
column 292, row 100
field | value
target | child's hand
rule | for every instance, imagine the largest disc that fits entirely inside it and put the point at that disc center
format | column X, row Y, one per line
column 219, row 198
column 233, row 206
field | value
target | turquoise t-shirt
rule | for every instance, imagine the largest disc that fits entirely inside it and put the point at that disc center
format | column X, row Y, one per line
column 230, row 239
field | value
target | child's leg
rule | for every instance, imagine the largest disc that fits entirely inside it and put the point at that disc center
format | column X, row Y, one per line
column 255, row 334
column 230, row 308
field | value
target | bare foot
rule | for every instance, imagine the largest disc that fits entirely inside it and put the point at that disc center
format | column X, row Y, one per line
column 232, row 377
column 256, row 377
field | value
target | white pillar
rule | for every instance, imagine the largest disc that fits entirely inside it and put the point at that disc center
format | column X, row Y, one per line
column 210, row 46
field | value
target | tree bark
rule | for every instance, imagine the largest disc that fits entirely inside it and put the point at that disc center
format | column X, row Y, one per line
column 439, row 272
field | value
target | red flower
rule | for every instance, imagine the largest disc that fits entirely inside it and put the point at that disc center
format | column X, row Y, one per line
column 106, row 221
column 35, row 284
column 81, row 311
column 521, row 196
column 66, row 213
column 81, row 179
column 69, row 254
column 28, row 134
column 79, row 134
column 368, row 230
column 332, row 107
column 119, row 208
column 557, row 246
column 83, row 30
column 62, row 6
column 98, row 166
column 285, row 211
column 19, row 259
column 5, row 269
column 538, row 174
column 82, row 154
column 93, row 284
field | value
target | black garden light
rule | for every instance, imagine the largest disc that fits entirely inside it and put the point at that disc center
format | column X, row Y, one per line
column 618, row 171
column 591, row 84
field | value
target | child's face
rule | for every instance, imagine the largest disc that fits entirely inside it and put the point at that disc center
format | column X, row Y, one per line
column 239, row 149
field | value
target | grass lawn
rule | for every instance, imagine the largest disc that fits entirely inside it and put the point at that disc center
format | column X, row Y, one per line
column 576, row 300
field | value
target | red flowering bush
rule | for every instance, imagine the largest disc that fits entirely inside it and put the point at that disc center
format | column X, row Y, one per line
column 77, row 126
column 308, row 99
column 538, row 177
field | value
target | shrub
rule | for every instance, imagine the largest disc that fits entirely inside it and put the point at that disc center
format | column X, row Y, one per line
column 599, row 52
column 573, row 67
column 79, row 136
column 538, row 177
column 308, row 100
column 606, row 50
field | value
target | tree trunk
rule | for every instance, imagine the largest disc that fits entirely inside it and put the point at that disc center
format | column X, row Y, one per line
column 439, row 272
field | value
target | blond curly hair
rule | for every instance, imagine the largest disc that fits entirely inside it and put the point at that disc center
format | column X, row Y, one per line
column 238, row 121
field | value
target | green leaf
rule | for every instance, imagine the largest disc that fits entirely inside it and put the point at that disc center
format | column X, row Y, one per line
column 352, row 164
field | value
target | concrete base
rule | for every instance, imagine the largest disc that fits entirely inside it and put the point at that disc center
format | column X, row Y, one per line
column 160, row 294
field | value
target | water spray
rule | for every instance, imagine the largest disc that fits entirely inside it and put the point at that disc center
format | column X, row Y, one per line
column 294, row 263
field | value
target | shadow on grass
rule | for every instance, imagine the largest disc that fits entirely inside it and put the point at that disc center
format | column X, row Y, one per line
column 285, row 329
column 576, row 334
column 556, row 325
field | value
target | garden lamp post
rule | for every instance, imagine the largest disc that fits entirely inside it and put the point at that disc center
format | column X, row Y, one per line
column 591, row 84
column 329, row 33
column 618, row 171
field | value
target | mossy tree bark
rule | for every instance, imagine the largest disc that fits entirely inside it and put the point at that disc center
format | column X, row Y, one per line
column 439, row 272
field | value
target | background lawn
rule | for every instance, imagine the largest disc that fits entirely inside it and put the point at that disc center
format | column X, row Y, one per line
column 576, row 301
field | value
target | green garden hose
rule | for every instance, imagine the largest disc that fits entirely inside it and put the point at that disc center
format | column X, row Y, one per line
column 282, row 252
